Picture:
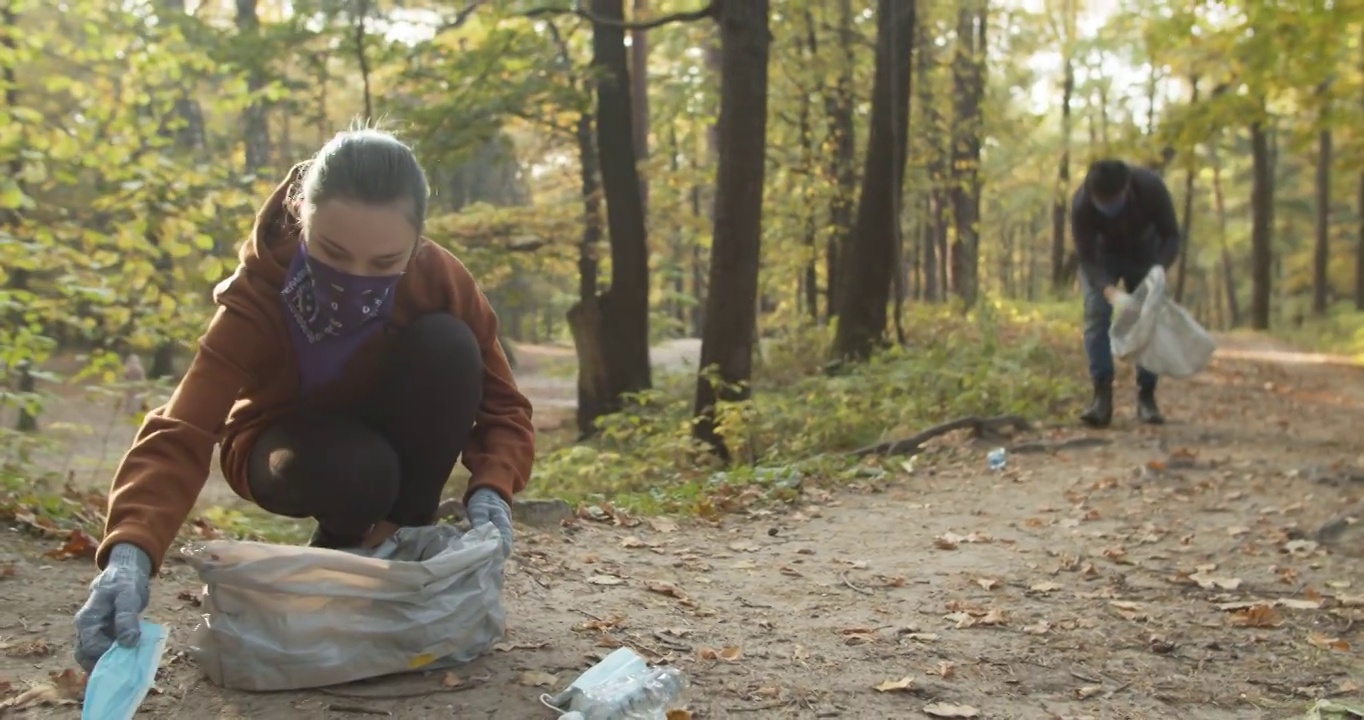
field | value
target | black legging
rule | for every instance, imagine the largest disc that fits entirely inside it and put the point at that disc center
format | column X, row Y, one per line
column 391, row 459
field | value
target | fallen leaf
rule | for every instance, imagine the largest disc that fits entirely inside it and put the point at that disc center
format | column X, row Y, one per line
column 35, row 648
column 9, row 570
column 510, row 646
column 1326, row 642
column 633, row 543
column 78, row 544
column 1259, row 615
column 63, row 688
column 987, row 583
column 606, row 580
column 949, row 710
column 904, row 684
column 678, row 715
column 1039, row 628
column 789, row 571
column 729, row 653
column 452, row 680
column 662, row 524
column 537, row 678
column 1045, row 587
column 665, row 588
column 1209, row 582
column 1237, row 530
column 1088, row 691
column 948, row 541
column 1296, row 604
column 1117, row 555
column 1350, row 600
column 947, row 669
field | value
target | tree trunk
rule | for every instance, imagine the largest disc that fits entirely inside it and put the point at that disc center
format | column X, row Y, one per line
column 1191, row 172
column 1219, row 199
column 968, row 71
column 255, row 120
column 639, row 96
column 361, row 33
column 931, row 131
column 1060, row 210
column 1321, row 253
column 809, row 153
column 869, row 259
column 617, row 320
column 731, row 305
column 840, row 106
column 1262, row 227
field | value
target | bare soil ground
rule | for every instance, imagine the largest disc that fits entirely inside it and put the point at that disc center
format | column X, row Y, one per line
column 1175, row 572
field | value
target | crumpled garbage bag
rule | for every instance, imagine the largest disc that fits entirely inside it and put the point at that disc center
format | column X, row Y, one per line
column 1158, row 334
column 280, row 617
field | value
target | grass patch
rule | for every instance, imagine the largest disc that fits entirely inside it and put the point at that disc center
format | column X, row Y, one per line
column 1002, row 358
column 1341, row 332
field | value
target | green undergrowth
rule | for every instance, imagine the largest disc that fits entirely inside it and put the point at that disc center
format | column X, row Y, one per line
column 801, row 420
column 1341, row 332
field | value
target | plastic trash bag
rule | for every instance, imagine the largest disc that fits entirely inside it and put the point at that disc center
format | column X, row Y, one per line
column 123, row 676
column 279, row 617
column 623, row 686
column 1158, row 334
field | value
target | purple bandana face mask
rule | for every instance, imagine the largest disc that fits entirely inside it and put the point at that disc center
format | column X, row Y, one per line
column 328, row 303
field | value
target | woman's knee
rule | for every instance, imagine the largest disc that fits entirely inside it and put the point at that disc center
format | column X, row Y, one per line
column 324, row 466
column 443, row 340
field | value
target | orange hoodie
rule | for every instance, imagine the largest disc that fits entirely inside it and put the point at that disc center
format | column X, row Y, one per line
column 244, row 377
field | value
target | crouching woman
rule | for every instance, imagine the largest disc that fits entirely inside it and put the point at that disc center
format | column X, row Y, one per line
column 349, row 363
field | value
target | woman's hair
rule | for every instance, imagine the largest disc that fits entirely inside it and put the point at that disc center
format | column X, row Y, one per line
column 366, row 165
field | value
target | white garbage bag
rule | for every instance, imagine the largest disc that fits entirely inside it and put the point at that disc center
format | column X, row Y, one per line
column 1158, row 334
column 279, row 617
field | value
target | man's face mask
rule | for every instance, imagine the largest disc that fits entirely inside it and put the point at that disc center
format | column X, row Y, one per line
column 1111, row 208
column 123, row 676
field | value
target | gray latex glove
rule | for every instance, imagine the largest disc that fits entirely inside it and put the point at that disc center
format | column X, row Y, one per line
column 118, row 596
column 486, row 506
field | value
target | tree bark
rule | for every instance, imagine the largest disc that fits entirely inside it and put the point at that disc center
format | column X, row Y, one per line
column 1191, row 172
column 639, row 96
column 840, row 106
column 1219, row 199
column 615, row 322
column 1061, row 203
column 361, row 33
column 931, row 130
column 1262, row 227
column 255, row 119
column 727, row 341
column 869, row 259
column 968, row 71
column 1321, row 252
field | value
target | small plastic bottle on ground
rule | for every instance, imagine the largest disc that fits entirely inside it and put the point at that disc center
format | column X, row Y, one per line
column 646, row 695
column 997, row 458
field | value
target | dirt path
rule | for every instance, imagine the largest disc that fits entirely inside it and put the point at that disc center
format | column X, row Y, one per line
column 1111, row 582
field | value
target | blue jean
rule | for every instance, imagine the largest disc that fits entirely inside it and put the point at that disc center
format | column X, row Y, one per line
column 1098, row 314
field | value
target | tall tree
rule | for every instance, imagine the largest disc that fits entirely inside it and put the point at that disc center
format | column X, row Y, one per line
column 639, row 95
column 968, row 80
column 727, row 340
column 1321, row 251
column 869, row 259
column 255, row 120
column 613, row 327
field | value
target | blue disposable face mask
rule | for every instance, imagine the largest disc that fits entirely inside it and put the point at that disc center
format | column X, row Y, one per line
column 123, row 676
column 620, row 663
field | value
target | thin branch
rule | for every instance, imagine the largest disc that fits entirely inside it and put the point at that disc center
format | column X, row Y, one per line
column 690, row 16
column 462, row 16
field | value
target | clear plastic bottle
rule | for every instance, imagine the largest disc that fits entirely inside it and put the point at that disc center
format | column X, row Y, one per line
column 997, row 459
column 644, row 695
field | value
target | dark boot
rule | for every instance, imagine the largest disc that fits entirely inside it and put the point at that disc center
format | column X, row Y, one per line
column 1147, row 410
column 1099, row 414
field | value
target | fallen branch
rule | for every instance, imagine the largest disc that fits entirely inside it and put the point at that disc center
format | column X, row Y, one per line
column 980, row 427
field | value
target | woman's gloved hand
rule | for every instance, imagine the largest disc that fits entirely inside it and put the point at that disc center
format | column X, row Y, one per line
column 486, row 506
column 118, row 596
